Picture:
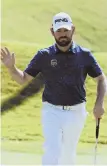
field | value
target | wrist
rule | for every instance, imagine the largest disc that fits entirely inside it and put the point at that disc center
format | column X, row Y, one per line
column 99, row 103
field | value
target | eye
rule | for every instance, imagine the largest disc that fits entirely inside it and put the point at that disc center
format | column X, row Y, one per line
column 66, row 30
column 58, row 30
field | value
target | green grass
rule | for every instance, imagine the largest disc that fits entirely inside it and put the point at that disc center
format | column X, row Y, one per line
column 23, row 146
column 30, row 153
column 36, row 147
column 29, row 21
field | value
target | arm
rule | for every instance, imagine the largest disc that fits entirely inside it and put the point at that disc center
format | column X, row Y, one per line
column 101, row 88
column 19, row 76
column 101, row 91
column 95, row 71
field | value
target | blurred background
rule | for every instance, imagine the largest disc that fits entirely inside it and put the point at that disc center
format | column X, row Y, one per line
column 29, row 21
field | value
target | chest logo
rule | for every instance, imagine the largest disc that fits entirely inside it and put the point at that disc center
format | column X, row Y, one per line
column 53, row 62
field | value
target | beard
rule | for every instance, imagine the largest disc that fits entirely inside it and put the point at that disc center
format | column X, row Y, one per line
column 63, row 41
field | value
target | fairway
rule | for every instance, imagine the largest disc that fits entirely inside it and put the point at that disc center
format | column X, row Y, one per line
column 85, row 155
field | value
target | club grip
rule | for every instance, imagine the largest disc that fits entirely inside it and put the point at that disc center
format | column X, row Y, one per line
column 97, row 128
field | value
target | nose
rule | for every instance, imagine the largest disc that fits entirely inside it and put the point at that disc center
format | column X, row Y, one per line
column 63, row 34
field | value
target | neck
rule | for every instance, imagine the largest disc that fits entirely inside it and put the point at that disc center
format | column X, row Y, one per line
column 66, row 48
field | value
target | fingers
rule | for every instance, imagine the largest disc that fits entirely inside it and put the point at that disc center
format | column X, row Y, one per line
column 97, row 119
column 13, row 56
column 4, row 53
column 7, row 51
column 98, row 115
column 1, row 58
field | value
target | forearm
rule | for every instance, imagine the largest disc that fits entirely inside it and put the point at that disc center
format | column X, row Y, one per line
column 17, row 75
column 101, row 90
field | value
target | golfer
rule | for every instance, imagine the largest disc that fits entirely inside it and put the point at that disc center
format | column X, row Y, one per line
column 65, row 66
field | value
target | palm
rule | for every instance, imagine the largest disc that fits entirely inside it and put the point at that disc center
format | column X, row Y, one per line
column 7, row 58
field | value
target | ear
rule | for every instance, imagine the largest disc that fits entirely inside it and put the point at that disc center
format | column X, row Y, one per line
column 73, row 29
column 52, row 32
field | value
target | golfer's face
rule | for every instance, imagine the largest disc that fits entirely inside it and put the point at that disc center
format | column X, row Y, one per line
column 63, row 36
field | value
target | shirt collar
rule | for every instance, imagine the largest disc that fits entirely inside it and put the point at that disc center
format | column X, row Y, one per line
column 71, row 49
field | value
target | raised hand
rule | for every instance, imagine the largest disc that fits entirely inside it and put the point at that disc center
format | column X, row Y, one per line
column 7, row 58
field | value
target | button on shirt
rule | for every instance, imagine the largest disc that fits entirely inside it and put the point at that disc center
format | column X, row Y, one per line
column 64, row 73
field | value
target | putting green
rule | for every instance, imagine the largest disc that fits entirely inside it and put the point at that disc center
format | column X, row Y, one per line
column 85, row 155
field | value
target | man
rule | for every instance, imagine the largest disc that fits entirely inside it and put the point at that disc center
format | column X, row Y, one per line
column 64, row 66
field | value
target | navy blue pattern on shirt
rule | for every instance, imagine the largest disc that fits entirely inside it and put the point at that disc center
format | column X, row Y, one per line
column 64, row 73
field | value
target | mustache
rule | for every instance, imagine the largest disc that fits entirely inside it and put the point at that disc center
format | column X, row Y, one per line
column 63, row 37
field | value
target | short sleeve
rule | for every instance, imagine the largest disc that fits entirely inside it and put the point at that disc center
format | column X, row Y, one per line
column 93, row 69
column 34, row 67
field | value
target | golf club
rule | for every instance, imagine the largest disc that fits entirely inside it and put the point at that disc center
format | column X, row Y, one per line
column 97, row 134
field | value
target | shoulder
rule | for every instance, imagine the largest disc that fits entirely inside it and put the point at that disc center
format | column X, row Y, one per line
column 46, row 51
column 85, row 54
column 82, row 49
column 43, row 53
